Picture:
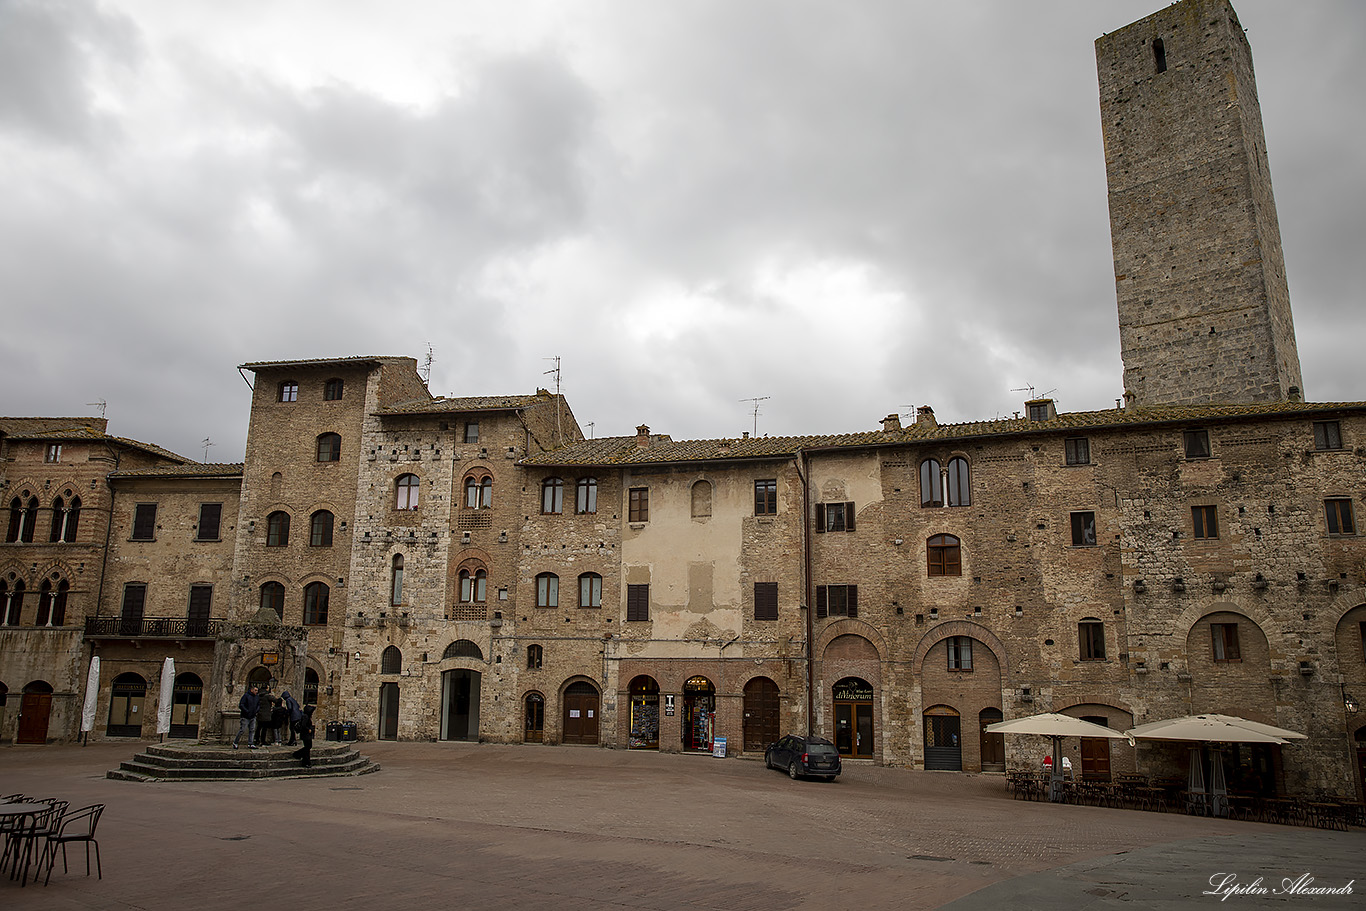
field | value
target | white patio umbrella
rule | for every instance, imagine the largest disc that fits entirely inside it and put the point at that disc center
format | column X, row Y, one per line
column 1212, row 729
column 1056, row 726
column 164, row 704
column 92, row 696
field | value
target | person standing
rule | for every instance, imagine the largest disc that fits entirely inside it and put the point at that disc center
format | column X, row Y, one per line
column 306, row 735
column 247, row 706
column 296, row 714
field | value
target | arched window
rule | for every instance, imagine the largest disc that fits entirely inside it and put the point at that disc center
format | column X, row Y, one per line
column 320, row 529
column 315, row 603
column 586, row 500
column 547, row 590
column 944, row 556
column 931, row 484
column 552, row 496
column 44, row 603
column 329, row 447
column 701, row 500
column 391, row 661
column 590, row 590
column 960, row 492
column 478, row 492
column 463, row 648
column 277, row 529
column 65, row 515
column 332, row 390
column 11, row 602
column 52, row 603
column 273, row 598
column 396, row 580
column 23, row 516
column 473, row 586
column 407, row 486
column 534, row 657
column 310, row 687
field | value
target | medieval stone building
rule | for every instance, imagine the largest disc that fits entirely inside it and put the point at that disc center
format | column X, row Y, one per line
column 472, row 568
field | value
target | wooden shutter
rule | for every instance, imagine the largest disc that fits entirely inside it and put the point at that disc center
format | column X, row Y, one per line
column 765, row 600
column 821, row 609
column 637, row 602
column 849, row 518
column 820, row 520
column 853, row 596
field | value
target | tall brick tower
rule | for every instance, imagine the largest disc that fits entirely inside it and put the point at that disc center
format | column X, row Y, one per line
column 1204, row 309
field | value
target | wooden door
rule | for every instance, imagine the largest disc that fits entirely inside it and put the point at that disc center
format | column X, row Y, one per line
column 993, row 745
column 1095, row 753
column 388, row 711
column 762, row 703
column 581, row 714
column 34, row 711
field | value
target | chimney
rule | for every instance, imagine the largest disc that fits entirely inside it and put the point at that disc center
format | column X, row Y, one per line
column 643, row 436
column 925, row 415
column 1293, row 394
column 891, row 422
column 1130, row 402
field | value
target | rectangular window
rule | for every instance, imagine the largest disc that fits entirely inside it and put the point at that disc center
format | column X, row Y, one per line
column 1224, row 638
column 144, row 522
column 289, row 391
column 1197, row 444
column 836, row 601
column 53, row 453
column 637, row 602
column 1078, row 451
column 1340, row 520
column 134, row 599
column 1038, row 411
column 210, row 515
column 766, row 497
column 834, row 517
column 1206, row 521
column 960, row 653
column 1327, row 435
column 471, row 431
column 1092, row 636
column 639, row 508
column 765, row 600
column 201, row 598
column 1083, row 529
column 332, row 390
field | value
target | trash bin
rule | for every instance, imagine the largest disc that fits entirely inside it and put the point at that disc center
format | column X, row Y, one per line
column 333, row 730
column 346, row 730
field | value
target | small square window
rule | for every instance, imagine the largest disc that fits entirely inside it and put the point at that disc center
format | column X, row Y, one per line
column 1197, row 444
column 53, row 453
column 834, row 517
column 1078, row 451
column 1083, row 529
column 1092, row 636
column 1206, row 521
column 1224, row 638
column 960, row 653
column 1038, row 411
column 836, row 601
column 332, row 390
column 1340, row 518
column 639, row 505
column 766, row 497
column 289, row 391
column 1327, row 435
column 471, row 431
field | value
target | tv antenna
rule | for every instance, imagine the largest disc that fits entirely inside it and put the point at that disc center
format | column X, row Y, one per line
column 206, row 444
column 1030, row 390
column 559, row 430
column 756, row 400
column 427, row 366
column 100, row 405
column 590, row 429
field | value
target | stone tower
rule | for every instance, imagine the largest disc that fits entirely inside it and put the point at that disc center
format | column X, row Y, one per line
column 1204, row 309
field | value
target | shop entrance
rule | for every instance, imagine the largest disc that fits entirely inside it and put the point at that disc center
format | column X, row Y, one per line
column 993, row 745
column 943, row 740
column 125, row 706
column 185, row 701
column 581, row 713
column 35, row 708
column 853, row 700
column 460, row 705
column 644, row 714
column 699, row 714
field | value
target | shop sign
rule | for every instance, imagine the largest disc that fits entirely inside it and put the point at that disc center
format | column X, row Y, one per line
column 718, row 748
column 852, row 691
column 669, row 705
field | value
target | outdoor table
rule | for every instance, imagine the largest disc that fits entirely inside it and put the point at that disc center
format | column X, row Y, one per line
column 1326, row 815
column 21, row 811
column 1242, row 806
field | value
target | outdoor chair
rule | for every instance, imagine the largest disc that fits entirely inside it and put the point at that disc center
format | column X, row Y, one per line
column 76, row 826
column 20, row 849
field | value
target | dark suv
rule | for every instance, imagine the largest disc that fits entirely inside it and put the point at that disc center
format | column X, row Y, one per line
column 801, row 755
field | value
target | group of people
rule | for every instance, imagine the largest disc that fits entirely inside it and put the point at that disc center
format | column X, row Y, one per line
column 263, row 715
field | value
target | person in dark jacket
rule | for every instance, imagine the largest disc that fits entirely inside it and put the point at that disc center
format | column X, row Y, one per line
column 272, row 727
column 248, row 706
column 306, row 735
column 296, row 714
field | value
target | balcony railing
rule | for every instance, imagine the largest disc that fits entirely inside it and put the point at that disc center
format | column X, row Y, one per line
column 152, row 628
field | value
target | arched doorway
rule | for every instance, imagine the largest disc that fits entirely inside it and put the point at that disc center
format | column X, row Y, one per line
column 388, row 711
column 186, row 697
column 310, row 687
column 580, row 713
column 35, row 708
column 126, row 706
column 853, row 701
column 261, row 678
column 762, row 702
column 699, row 714
column 533, row 726
column 943, row 740
column 460, row 704
column 993, row 745
column 644, row 714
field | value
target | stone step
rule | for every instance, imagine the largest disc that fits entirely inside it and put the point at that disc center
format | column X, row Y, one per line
column 219, row 762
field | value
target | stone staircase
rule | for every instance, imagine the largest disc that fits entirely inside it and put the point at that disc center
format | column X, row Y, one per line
column 220, row 762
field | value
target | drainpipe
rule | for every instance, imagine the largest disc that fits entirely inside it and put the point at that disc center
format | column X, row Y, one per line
column 802, row 474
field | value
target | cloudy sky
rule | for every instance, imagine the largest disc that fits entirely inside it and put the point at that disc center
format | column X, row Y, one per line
column 853, row 208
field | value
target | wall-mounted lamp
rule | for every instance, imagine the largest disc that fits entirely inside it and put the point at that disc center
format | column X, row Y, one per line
column 357, row 656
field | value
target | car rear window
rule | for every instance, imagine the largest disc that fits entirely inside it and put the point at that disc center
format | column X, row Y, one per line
column 822, row 751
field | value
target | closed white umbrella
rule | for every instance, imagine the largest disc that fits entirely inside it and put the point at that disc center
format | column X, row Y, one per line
column 92, row 696
column 164, row 704
column 1057, row 726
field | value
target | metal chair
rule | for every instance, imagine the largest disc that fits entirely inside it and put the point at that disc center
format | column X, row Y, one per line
column 35, row 827
column 76, row 826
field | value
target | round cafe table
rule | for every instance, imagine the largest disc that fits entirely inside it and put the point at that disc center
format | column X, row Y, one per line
column 21, row 811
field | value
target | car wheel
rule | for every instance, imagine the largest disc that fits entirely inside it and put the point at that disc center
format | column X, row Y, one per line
column 768, row 760
column 792, row 772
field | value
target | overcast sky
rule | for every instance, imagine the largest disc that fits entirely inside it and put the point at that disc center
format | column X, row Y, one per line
column 853, row 208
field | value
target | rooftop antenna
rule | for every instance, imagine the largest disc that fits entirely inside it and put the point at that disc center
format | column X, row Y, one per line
column 1026, row 388
column 427, row 366
column 559, row 430
column 206, row 444
column 756, row 400
column 590, row 429
column 100, row 405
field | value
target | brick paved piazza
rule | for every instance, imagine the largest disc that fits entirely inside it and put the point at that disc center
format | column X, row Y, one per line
column 492, row 826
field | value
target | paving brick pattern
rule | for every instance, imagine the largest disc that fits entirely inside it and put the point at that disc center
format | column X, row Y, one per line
column 504, row 826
